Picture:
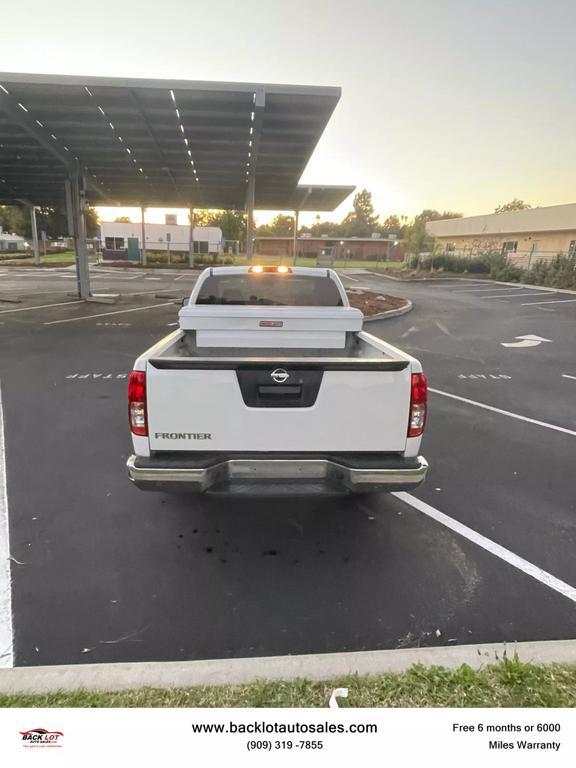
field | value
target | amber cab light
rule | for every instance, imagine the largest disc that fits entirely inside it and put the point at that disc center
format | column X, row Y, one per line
column 258, row 269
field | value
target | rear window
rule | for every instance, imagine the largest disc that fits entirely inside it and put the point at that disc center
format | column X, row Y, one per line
column 270, row 290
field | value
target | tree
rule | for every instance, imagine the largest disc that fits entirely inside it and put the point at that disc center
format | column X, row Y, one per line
column 417, row 239
column 362, row 219
column 202, row 216
column 392, row 225
column 280, row 226
column 431, row 214
column 123, row 220
column 53, row 221
column 15, row 220
column 92, row 222
column 514, row 205
column 330, row 228
column 232, row 223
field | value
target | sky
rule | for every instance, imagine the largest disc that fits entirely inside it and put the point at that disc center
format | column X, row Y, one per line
column 448, row 104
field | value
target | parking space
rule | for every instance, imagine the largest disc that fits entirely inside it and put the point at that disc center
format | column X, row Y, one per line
column 30, row 283
column 482, row 552
column 513, row 353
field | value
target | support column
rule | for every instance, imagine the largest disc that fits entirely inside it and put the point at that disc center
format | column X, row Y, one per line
column 69, row 212
column 295, row 238
column 250, row 218
column 143, row 235
column 77, row 195
column 191, row 218
column 34, row 234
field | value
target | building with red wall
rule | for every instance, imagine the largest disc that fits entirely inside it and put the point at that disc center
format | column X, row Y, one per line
column 340, row 248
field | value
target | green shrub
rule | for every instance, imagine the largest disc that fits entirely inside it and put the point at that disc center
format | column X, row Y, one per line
column 479, row 265
column 558, row 273
column 449, row 262
column 10, row 255
column 213, row 260
column 501, row 269
column 507, row 274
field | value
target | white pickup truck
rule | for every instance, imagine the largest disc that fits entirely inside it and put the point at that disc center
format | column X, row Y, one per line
column 271, row 380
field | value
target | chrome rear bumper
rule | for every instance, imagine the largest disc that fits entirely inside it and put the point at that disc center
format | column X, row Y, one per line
column 352, row 472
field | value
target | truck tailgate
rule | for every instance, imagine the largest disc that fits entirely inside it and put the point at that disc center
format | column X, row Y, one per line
column 308, row 405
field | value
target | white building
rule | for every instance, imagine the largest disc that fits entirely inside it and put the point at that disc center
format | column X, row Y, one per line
column 12, row 242
column 161, row 237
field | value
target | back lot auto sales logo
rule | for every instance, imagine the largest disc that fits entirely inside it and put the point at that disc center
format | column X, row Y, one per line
column 40, row 737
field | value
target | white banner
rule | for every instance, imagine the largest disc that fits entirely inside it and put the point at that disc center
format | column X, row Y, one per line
column 164, row 738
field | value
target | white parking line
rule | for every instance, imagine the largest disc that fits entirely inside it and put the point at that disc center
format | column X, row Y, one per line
column 529, row 293
column 490, row 546
column 41, row 306
column 107, row 314
column 115, row 272
column 504, row 413
column 558, row 301
column 436, row 282
column 347, row 277
column 6, row 635
column 483, row 290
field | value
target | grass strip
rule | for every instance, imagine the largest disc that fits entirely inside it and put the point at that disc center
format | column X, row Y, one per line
column 510, row 683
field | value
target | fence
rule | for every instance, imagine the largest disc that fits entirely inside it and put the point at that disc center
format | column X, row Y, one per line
column 520, row 258
column 163, row 251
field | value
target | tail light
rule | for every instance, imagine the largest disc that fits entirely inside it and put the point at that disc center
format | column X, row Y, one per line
column 137, row 403
column 418, row 400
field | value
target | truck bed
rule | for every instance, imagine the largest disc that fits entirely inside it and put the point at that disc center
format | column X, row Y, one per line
column 359, row 346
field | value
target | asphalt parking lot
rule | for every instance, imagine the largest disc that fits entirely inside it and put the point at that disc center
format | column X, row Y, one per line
column 102, row 572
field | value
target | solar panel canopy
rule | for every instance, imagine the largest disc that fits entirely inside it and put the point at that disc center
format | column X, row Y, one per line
column 165, row 143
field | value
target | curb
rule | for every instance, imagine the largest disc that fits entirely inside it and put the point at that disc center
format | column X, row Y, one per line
column 391, row 312
column 487, row 280
column 185, row 674
column 535, row 287
column 431, row 279
column 50, row 265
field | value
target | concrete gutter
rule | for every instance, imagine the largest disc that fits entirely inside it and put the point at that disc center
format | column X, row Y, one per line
column 534, row 287
column 408, row 307
column 326, row 666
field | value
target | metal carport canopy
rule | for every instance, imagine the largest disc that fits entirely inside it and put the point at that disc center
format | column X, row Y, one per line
column 162, row 142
